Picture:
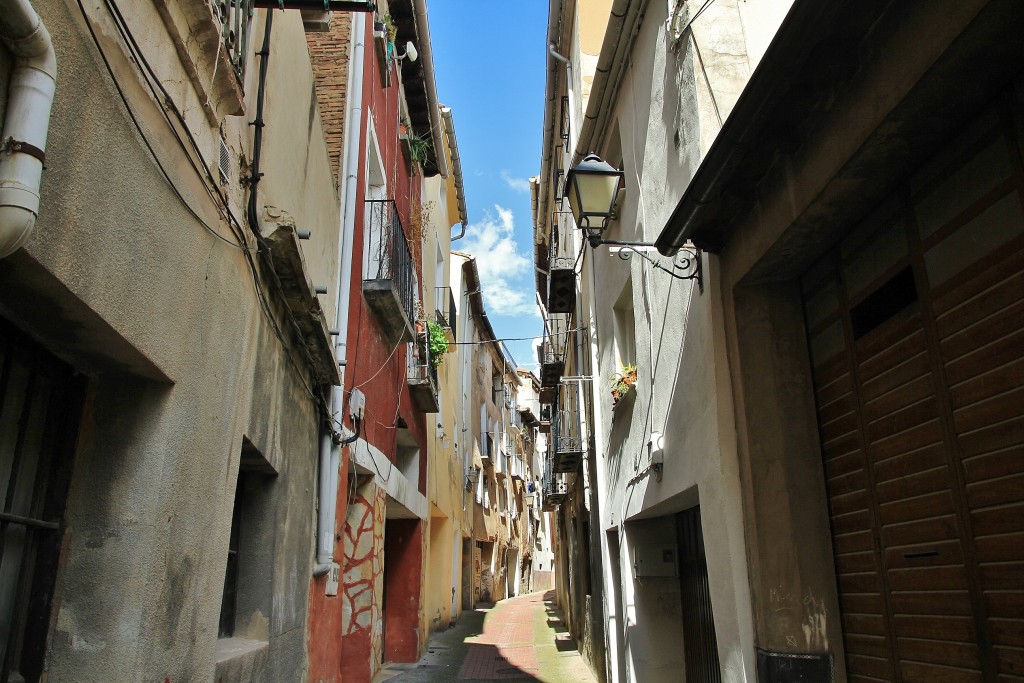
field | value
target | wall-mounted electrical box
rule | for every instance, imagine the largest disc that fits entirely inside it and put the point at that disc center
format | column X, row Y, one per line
column 655, row 560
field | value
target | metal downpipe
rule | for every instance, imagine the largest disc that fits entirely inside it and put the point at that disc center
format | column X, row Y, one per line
column 30, row 98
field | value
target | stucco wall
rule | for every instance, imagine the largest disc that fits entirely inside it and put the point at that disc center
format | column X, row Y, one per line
column 667, row 111
column 123, row 282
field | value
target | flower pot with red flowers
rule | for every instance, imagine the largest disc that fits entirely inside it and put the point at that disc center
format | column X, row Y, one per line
column 622, row 382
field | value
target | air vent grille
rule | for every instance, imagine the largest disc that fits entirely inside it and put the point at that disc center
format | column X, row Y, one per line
column 224, row 163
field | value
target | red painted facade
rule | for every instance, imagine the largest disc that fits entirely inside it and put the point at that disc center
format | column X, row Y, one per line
column 341, row 628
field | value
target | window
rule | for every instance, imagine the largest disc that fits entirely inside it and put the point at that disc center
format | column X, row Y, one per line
column 229, row 597
column 251, row 516
column 625, row 327
column 40, row 404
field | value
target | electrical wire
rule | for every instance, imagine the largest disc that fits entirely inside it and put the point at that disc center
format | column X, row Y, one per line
column 221, row 201
column 380, row 369
column 166, row 102
column 145, row 140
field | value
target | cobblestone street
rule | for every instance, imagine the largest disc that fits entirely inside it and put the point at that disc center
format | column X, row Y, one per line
column 519, row 639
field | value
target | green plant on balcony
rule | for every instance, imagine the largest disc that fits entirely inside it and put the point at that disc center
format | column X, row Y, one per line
column 392, row 33
column 622, row 381
column 437, row 342
column 419, row 148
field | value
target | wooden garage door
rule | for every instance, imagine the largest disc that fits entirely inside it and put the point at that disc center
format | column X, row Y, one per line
column 916, row 329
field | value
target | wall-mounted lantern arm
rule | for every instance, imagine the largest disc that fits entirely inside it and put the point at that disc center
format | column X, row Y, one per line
column 592, row 188
column 686, row 264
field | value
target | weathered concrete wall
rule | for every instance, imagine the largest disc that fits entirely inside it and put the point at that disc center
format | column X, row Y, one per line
column 123, row 281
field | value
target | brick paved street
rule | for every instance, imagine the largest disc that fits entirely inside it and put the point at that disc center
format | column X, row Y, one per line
column 519, row 639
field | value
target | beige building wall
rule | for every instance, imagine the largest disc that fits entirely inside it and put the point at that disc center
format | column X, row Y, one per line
column 449, row 521
column 151, row 296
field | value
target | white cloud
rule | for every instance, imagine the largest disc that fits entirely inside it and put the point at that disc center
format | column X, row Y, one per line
column 491, row 241
column 517, row 184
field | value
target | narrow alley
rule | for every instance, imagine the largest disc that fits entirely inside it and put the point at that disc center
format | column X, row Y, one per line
column 614, row 341
column 518, row 639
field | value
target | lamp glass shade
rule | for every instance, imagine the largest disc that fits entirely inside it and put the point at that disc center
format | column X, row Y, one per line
column 592, row 187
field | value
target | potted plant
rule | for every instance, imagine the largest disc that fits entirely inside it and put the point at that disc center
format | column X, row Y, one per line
column 419, row 148
column 437, row 342
column 622, row 382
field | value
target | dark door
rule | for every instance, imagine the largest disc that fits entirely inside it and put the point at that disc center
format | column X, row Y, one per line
column 699, row 642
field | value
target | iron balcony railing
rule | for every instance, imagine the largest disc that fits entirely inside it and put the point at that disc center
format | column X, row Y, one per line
column 516, row 418
column 567, row 433
column 388, row 256
column 444, row 303
column 235, row 17
column 421, row 366
column 553, row 488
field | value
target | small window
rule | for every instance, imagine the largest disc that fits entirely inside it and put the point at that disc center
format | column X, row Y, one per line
column 564, row 129
column 229, row 597
column 885, row 302
column 251, row 515
column 625, row 327
column 407, row 455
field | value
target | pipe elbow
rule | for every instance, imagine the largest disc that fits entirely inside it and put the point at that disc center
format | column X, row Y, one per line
column 16, row 224
column 27, row 37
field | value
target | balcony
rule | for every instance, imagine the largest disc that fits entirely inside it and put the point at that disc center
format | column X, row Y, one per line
column 388, row 274
column 551, row 365
column 235, row 22
column 422, row 376
column 516, row 417
column 445, row 314
column 517, row 470
column 545, row 415
column 528, row 413
column 554, row 488
column 567, row 437
column 562, row 285
column 551, row 353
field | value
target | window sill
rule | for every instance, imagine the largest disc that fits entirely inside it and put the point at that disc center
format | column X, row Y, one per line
column 240, row 659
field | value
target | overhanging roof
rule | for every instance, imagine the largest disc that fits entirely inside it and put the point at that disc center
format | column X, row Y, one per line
column 822, row 51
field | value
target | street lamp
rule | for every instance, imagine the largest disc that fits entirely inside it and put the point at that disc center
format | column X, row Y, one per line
column 592, row 187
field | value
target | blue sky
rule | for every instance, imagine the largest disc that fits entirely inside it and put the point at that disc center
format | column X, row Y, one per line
column 489, row 59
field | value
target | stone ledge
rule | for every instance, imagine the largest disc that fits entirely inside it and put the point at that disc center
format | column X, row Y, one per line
column 241, row 659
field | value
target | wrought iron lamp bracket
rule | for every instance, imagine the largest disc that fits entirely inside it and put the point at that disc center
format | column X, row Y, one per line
column 686, row 265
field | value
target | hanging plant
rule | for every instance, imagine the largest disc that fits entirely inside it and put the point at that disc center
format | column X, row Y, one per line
column 622, row 381
column 419, row 148
column 437, row 342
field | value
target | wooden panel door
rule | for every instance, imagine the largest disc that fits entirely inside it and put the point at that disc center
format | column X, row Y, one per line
column 916, row 329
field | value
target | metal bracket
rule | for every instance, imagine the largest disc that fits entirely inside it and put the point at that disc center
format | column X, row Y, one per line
column 20, row 146
column 687, row 264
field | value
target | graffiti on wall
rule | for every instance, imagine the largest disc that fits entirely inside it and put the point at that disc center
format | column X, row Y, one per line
column 363, row 578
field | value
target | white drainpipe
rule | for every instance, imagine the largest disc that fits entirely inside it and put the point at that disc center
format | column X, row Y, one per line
column 330, row 453
column 30, row 96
